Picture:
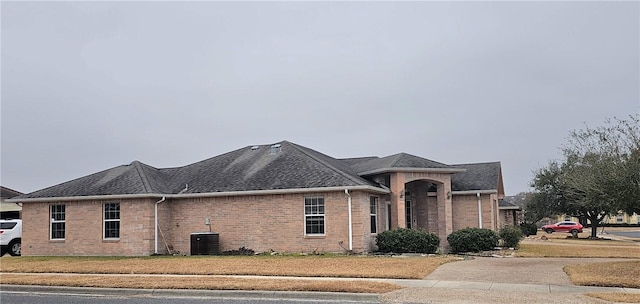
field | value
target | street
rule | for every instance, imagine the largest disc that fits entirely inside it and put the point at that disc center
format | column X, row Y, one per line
column 57, row 298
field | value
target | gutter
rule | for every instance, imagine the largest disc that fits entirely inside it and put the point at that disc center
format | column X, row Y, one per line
column 200, row 195
column 409, row 169
column 474, row 192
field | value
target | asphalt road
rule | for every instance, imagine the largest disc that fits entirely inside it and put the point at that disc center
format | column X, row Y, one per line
column 52, row 298
column 629, row 234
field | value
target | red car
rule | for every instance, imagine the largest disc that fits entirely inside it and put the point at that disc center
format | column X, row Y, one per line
column 571, row 227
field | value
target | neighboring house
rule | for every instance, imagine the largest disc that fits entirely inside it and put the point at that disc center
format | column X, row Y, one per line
column 9, row 210
column 282, row 197
column 510, row 213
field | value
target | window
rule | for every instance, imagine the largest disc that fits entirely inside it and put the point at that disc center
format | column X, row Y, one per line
column 57, row 225
column 8, row 225
column 388, row 216
column 407, row 208
column 314, row 216
column 373, row 205
column 619, row 218
column 111, row 220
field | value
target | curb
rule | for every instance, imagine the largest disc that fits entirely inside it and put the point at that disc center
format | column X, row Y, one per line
column 195, row 293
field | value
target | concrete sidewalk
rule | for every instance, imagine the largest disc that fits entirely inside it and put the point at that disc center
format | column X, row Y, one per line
column 416, row 291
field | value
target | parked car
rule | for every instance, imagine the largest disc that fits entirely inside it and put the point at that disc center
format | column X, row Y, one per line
column 565, row 226
column 10, row 237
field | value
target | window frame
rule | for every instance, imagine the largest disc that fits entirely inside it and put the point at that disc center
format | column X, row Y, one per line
column 314, row 214
column 62, row 210
column 106, row 221
column 373, row 214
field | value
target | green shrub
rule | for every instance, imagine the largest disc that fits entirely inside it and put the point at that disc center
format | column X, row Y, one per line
column 472, row 240
column 407, row 240
column 510, row 236
column 528, row 228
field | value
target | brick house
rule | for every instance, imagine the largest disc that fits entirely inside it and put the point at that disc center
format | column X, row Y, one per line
column 282, row 197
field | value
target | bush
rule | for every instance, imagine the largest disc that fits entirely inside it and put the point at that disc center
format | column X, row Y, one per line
column 528, row 228
column 407, row 240
column 510, row 236
column 240, row 251
column 472, row 240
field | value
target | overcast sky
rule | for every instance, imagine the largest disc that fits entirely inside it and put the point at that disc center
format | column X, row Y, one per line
column 88, row 86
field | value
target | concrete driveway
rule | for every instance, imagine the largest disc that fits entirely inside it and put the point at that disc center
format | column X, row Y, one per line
column 500, row 280
column 510, row 270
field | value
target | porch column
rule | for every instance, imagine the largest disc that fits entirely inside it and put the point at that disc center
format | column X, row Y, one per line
column 397, row 202
column 445, row 214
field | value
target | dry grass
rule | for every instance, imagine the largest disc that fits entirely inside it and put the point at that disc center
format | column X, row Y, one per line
column 302, row 266
column 579, row 249
column 615, row 274
column 201, row 282
column 617, row 297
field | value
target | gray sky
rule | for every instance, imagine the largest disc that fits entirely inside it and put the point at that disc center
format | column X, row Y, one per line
column 87, row 86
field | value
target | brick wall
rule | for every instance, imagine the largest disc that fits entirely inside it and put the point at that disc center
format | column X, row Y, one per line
column 84, row 229
column 465, row 212
column 269, row 222
column 261, row 223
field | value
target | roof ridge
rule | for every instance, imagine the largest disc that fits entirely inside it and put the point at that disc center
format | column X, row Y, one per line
column 480, row 163
column 143, row 176
column 348, row 176
column 396, row 159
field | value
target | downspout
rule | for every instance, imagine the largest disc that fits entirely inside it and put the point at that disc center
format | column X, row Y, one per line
column 346, row 191
column 155, row 238
column 155, row 219
column 479, row 210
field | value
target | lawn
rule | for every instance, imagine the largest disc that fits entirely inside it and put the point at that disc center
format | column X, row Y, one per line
column 298, row 266
column 578, row 248
column 615, row 274
column 142, row 272
column 198, row 282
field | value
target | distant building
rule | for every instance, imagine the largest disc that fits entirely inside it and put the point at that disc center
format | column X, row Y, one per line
column 9, row 210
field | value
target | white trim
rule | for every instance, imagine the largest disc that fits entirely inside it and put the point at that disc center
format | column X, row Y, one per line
column 474, row 192
column 479, row 210
column 409, row 169
column 104, row 222
column 52, row 221
column 200, row 195
column 376, row 202
column 323, row 215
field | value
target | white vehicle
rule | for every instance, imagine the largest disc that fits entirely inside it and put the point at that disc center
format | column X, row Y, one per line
column 10, row 237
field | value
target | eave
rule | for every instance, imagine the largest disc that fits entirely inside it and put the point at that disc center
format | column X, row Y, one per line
column 200, row 195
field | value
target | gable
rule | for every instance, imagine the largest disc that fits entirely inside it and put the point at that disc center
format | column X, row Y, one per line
column 478, row 176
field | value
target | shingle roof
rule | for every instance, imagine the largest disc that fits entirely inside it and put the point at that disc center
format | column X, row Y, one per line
column 255, row 168
column 503, row 204
column 125, row 179
column 8, row 192
column 246, row 169
column 396, row 161
column 479, row 176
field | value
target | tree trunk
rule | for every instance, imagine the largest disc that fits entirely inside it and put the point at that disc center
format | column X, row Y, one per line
column 594, row 219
